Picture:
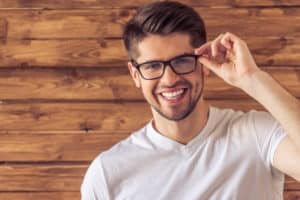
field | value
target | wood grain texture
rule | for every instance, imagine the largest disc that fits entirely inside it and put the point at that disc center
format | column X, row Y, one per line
column 109, row 23
column 60, row 53
column 66, row 95
column 41, row 177
column 110, row 84
column 111, row 53
column 72, row 4
column 3, row 29
column 93, row 116
column 46, row 147
column 88, row 38
column 256, row 3
column 55, row 178
column 39, row 195
column 288, row 195
column 74, row 116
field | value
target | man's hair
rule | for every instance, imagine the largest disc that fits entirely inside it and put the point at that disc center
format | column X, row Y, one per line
column 163, row 18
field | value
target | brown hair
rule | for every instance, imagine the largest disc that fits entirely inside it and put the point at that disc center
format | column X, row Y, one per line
column 163, row 18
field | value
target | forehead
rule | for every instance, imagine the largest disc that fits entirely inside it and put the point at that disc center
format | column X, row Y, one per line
column 157, row 47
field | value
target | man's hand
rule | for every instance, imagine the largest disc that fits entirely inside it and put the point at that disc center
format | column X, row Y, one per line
column 229, row 57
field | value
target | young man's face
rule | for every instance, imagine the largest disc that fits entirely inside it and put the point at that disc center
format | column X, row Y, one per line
column 172, row 96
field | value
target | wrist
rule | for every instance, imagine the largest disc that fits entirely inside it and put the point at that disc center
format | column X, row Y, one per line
column 252, row 81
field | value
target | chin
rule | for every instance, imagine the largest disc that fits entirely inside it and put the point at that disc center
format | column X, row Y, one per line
column 174, row 117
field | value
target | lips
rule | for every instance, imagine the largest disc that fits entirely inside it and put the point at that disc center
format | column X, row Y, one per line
column 173, row 96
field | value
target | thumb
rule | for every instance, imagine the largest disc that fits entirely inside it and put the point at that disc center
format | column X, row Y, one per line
column 210, row 64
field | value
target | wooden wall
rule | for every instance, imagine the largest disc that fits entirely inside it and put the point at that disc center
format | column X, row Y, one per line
column 66, row 94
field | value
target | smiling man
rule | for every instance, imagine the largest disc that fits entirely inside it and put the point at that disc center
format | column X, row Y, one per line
column 191, row 150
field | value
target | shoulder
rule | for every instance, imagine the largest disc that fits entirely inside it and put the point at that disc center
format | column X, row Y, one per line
column 226, row 117
column 236, row 117
column 125, row 149
column 111, row 160
column 243, row 124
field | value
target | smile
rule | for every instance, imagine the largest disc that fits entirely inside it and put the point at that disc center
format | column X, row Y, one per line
column 172, row 95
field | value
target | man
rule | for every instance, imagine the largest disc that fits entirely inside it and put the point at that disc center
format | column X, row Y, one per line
column 191, row 150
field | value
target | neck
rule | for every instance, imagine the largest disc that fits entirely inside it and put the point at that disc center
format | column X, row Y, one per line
column 184, row 130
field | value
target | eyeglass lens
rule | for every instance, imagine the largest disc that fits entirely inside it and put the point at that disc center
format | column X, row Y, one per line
column 181, row 65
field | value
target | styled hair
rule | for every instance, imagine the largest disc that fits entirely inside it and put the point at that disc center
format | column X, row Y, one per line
column 163, row 18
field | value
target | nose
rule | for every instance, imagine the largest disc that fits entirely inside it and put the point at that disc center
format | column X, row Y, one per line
column 169, row 77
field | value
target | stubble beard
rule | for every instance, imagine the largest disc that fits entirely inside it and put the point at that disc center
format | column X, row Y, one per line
column 191, row 104
column 190, row 108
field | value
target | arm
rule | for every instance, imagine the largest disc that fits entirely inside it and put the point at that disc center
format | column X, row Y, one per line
column 286, row 109
column 229, row 57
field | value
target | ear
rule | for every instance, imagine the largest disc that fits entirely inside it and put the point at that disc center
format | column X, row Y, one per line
column 134, row 74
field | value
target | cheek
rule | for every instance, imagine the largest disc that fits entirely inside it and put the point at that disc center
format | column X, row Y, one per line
column 197, row 87
column 148, row 88
column 197, row 82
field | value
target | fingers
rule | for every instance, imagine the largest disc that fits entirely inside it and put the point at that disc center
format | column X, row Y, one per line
column 219, row 45
column 210, row 64
column 226, row 42
column 212, row 48
column 221, row 50
column 231, row 37
column 228, row 57
column 205, row 49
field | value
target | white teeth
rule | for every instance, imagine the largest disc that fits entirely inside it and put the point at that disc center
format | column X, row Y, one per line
column 173, row 94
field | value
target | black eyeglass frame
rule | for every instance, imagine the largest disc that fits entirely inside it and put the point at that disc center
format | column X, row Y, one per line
column 165, row 64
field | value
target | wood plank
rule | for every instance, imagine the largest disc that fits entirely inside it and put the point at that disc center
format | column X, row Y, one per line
column 71, row 4
column 288, row 195
column 26, row 147
column 108, row 23
column 285, row 3
column 289, row 78
column 111, row 53
column 51, row 146
column 57, row 53
column 65, row 24
column 79, row 83
column 40, row 195
column 55, row 178
column 73, row 116
column 41, row 177
column 3, row 29
column 52, row 182
column 257, row 22
column 94, row 116
column 110, row 84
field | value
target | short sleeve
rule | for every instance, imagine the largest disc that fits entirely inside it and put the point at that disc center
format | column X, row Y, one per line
column 94, row 186
column 268, row 133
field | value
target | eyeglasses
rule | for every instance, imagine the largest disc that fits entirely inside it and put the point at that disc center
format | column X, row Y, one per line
column 183, row 64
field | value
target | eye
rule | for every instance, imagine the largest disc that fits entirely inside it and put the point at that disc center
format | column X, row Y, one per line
column 151, row 66
column 183, row 60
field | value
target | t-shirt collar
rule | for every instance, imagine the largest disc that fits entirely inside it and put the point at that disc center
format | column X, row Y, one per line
column 161, row 141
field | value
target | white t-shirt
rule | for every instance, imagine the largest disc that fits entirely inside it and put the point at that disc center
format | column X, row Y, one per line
column 229, row 159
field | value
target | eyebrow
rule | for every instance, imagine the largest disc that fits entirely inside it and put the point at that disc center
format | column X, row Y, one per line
column 149, row 61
